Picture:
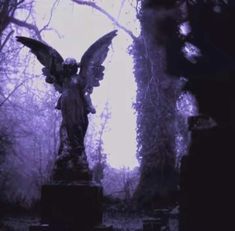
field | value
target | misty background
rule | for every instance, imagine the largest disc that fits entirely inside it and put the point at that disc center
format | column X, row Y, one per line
column 29, row 123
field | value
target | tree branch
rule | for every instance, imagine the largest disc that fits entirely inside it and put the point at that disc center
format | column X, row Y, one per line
column 6, row 39
column 12, row 92
column 50, row 17
column 109, row 16
column 26, row 25
column 121, row 7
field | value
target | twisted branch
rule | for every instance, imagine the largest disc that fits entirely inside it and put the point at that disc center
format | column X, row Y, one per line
column 109, row 16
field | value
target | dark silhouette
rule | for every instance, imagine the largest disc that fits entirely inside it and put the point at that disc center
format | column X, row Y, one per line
column 74, row 102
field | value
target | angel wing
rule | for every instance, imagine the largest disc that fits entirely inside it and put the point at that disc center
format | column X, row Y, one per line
column 91, row 69
column 48, row 57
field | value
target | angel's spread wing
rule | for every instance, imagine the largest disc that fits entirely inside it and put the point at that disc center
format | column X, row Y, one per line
column 91, row 69
column 48, row 57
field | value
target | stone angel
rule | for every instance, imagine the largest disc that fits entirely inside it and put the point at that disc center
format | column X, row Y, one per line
column 75, row 102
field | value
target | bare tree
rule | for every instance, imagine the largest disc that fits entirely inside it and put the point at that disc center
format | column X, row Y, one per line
column 94, row 143
column 95, row 6
column 29, row 144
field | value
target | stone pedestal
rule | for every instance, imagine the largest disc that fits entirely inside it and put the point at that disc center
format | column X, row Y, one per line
column 70, row 207
column 75, row 205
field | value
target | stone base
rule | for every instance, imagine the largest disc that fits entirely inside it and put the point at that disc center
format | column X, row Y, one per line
column 69, row 168
column 68, row 174
column 71, row 207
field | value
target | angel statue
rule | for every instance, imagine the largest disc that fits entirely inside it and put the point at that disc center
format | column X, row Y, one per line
column 74, row 102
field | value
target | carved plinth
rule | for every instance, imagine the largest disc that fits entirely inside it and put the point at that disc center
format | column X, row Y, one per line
column 70, row 207
column 70, row 174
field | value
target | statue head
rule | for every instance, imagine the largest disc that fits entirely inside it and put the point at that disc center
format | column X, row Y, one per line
column 70, row 66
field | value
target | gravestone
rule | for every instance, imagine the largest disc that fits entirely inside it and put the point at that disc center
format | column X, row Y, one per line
column 70, row 207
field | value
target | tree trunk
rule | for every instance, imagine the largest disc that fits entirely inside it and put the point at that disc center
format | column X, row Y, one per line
column 156, row 99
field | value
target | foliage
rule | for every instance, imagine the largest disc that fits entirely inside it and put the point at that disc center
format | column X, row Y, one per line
column 120, row 183
column 94, row 144
column 28, row 121
column 162, row 54
column 5, row 143
column 34, row 131
column 157, row 94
